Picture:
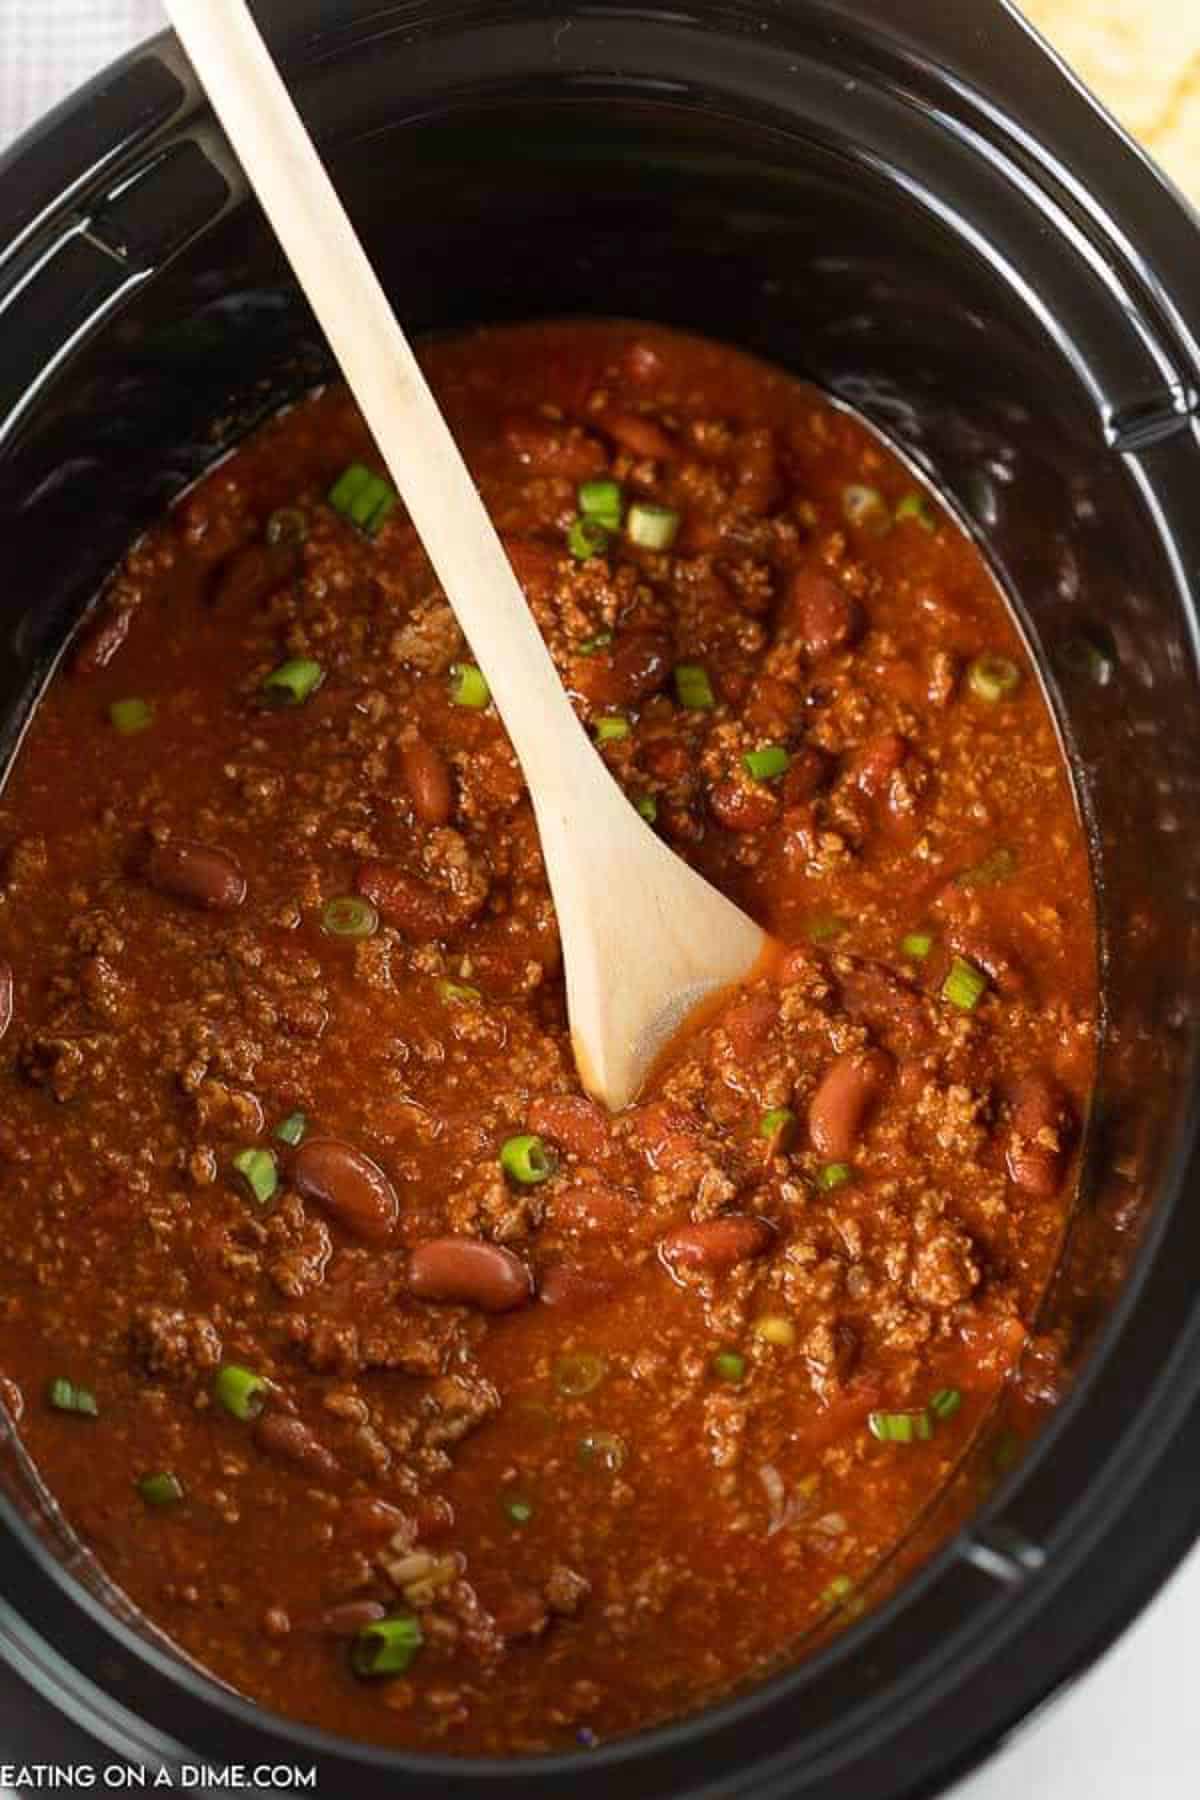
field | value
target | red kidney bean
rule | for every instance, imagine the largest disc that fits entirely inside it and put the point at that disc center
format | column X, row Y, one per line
column 471, row 1272
column 889, row 1006
column 807, row 774
column 593, row 1207
column 349, row 1618
column 822, row 614
column 6, row 997
column 198, row 873
column 572, row 1289
column 634, row 668
column 289, row 1438
column 420, row 911
column 367, row 1516
column 643, row 363
column 665, row 1133
column 427, row 777
column 743, row 805
column 749, row 1023
column 572, row 1121
column 249, row 575
column 348, row 1186
column 553, row 448
column 874, row 763
column 640, row 436
column 846, row 1095
column 713, row 1245
column 101, row 641
column 1043, row 1127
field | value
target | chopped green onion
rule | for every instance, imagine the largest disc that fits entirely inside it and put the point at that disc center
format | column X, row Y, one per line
column 992, row 678
column 66, row 1396
column 916, row 506
column 838, row 1591
column 652, row 527
column 994, row 868
column 587, row 538
column 917, row 944
column 945, row 1403
column 693, row 687
column 131, row 716
column 901, row 1427
column 612, row 728
column 965, row 985
column 866, row 509
column 518, row 1509
column 590, row 646
column 823, row 929
column 834, row 1175
column 774, row 1328
column 602, row 501
column 292, row 1129
column 287, row 525
column 363, row 498
column 293, row 681
column 527, row 1159
column 458, row 993
column 468, row 686
column 647, row 805
column 240, row 1391
column 349, row 916
column 386, row 1646
column 258, row 1172
column 767, row 763
column 579, row 1373
column 729, row 1365
column 602, row 1450
column 162, row 1489
column 780, row 1124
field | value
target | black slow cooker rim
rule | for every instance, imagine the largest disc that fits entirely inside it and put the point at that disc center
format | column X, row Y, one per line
column 1151, row 1443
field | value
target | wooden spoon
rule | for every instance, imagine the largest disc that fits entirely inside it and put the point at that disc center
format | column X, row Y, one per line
column 644, row 938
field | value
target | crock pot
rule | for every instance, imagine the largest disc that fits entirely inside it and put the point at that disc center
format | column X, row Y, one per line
column 916, row 207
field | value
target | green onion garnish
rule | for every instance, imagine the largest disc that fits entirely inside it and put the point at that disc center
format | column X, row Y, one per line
column 517, row 1508
column 468, row 686
column 693, row 687
column 781, row 1124
column 602, row 1450
column 527, row 1159
column 363, row 498
column 602, row 501
column 162, row 1489
column 349, row 916
column 612, row 728
column 824, row 928
column 240, row 1391
column 901, row 1427
column 579, row 1373
column 386, row 1646
column 287, row 525
column 866, row 509
column 647, row 805
column 945, row 1403
column 590, row 646
column 258, row 1172
column 729, row 1365
column 652, row 527
column 916, row 506
column 964, row 986
column 834, row 1175
column 992, row 678
column 66, row 1396
column 292, row 1129
column 838, row 1591
column 917, row 944
column 131, row 716
column 293, row 681
column 458, row 993
column 767, row 763
column 587, row 538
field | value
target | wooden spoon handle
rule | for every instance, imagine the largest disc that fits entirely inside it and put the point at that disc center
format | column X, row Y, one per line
column 376, row 358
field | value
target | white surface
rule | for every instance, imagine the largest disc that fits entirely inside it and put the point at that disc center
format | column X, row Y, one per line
column 1127, row 1731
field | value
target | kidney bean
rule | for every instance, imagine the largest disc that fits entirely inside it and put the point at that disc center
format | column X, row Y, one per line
column 367, row 1517
column 846, row 1095
column 635, row 667
column 640, row 436
column 289, row 1438
column 1043, row 1127
column 807, row 774
column 198, row 873
column 6, row 997
column 592, row 1207
column 348, row 1186
column 743, row 805
column 1006, row 973
column 890, row 1006
column 470, row 1272
column 572, row 1289
column 101, row 641
column 665, row 1133
column 427, row 777
column 643, row 363
column 572, row 1121
column 553, row 448
column 873, row 764
column 419, row 910
column 714, row 1245
column 349, row 1618
column 249, row 575
column 823, row 615
column 749, row 1023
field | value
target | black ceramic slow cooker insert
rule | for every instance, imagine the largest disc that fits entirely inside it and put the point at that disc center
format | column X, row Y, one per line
column 914, row 206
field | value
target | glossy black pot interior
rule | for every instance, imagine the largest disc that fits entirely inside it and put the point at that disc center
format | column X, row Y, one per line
column 928, row 219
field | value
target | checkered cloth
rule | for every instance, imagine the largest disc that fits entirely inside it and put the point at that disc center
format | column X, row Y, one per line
column 48, row 47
